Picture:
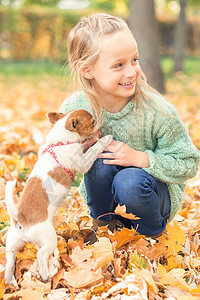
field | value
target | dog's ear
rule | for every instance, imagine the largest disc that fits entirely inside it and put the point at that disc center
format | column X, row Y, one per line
column 54, row 116
column 72, row 124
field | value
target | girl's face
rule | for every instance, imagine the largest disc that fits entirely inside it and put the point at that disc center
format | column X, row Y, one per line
column 116, row 71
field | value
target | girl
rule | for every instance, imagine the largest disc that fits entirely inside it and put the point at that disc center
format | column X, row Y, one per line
column 151, row 156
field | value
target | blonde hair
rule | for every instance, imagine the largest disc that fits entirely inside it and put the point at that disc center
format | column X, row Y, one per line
column 83, row 48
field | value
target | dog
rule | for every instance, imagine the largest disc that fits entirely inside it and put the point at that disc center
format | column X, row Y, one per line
column 49, row 182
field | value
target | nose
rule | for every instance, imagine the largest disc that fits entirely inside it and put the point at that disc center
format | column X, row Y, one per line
column 130, row 71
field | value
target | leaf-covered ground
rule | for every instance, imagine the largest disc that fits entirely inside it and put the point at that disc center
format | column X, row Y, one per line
column 119, row 265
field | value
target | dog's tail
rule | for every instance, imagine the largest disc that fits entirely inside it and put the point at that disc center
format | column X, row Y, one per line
column 11, row 207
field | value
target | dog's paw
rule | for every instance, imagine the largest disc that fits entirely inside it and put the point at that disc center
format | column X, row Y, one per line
column 11, row 281
column 106, row 140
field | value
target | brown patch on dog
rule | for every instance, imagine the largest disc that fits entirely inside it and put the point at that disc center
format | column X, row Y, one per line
column 55, row 116
column 34, row 202
column 61, row 176
column 80, row 121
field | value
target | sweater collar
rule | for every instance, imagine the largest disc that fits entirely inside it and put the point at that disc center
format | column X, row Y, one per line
column 120, row 115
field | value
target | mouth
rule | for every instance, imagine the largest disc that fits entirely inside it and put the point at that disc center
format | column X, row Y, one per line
column 127, row 84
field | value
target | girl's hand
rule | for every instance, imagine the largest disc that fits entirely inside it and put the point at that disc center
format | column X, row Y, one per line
column 123, row 155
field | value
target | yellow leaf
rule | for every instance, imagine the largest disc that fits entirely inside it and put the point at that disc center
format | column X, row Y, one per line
column 138, row 261
column 162, row 271
column 173, row 240
column 2, row 287
column 146, row 275
column 121, row 210
column 102, row 252
column 124, row 236
column 175, row 278
column 61, row 245
column 174, row 262
column 195, row 291
column 29, row 252
column 27, row 294
column 4, row 216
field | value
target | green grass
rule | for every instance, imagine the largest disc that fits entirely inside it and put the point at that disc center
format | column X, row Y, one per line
column 33, row 68
column 191, row 66
column 40, row 68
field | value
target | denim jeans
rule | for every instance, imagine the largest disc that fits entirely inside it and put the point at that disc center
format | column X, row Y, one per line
column 142, row 194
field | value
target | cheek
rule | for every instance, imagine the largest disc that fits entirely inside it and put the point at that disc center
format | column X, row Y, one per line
column 138, row 71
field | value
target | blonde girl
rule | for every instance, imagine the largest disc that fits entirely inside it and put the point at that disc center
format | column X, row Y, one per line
column 151, row 156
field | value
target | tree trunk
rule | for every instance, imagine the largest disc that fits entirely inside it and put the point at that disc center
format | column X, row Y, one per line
column 180, row 38
column 143, row 24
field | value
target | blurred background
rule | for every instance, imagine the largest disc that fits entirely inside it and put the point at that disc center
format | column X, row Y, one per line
column 34, row 77
column 167, row 31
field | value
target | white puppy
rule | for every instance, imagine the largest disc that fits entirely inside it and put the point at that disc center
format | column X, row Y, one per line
column 49, row 182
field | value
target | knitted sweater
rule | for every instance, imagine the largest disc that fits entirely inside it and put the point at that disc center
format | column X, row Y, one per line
column 160, row 133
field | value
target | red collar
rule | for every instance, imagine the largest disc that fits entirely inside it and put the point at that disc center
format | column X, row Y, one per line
column 53, row 154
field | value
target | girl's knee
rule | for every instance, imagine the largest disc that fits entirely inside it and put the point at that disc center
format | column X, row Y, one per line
column 133, row 180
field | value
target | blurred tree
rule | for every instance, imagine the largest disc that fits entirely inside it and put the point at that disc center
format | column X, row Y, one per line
column 180, row 34
column 144, row 27
column 180, row 37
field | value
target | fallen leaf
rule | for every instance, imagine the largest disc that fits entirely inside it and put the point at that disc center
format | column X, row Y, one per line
column 173, row 240
column 102, row 252
column 82, row 278
column 121, row 210
column 153, row 252
column 2, row 287
column 124, row 236
column 152, row 288
column 29, row 252
column 138, row 261
column 133, row 285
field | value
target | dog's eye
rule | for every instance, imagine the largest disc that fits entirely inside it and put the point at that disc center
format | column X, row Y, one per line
column 74, row 124
column 93, row 122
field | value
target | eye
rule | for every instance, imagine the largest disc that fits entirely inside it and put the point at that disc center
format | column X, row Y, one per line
column 119, row 65
column 135, row 59
column 74, row 123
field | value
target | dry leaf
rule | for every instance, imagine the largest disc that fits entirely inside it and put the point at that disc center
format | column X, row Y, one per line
column 2, row 287
column 152, row 288
column 153, row 252
column 121, row 210
column 124, row 236
column 133, row 285
column 27, row 294
column 82, row 278
column 58, row 294
column 173, row 240
column 102, row 252
column 29, row 252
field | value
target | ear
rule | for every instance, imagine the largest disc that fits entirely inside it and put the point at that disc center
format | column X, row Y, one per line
column 71, row 124
column 86, row 71
column 54, row 116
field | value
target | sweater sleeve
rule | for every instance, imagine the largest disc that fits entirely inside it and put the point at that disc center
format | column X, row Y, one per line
column 174, row 159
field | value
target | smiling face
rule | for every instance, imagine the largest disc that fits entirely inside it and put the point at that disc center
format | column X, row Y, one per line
column 115, row 74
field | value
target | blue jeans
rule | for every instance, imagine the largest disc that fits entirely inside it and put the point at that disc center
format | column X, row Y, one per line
column 143, row 195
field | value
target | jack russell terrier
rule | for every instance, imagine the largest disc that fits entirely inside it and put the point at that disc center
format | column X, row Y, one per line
column 49, row 182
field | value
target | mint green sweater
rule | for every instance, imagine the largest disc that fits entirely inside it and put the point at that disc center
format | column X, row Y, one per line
column 160, row 133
